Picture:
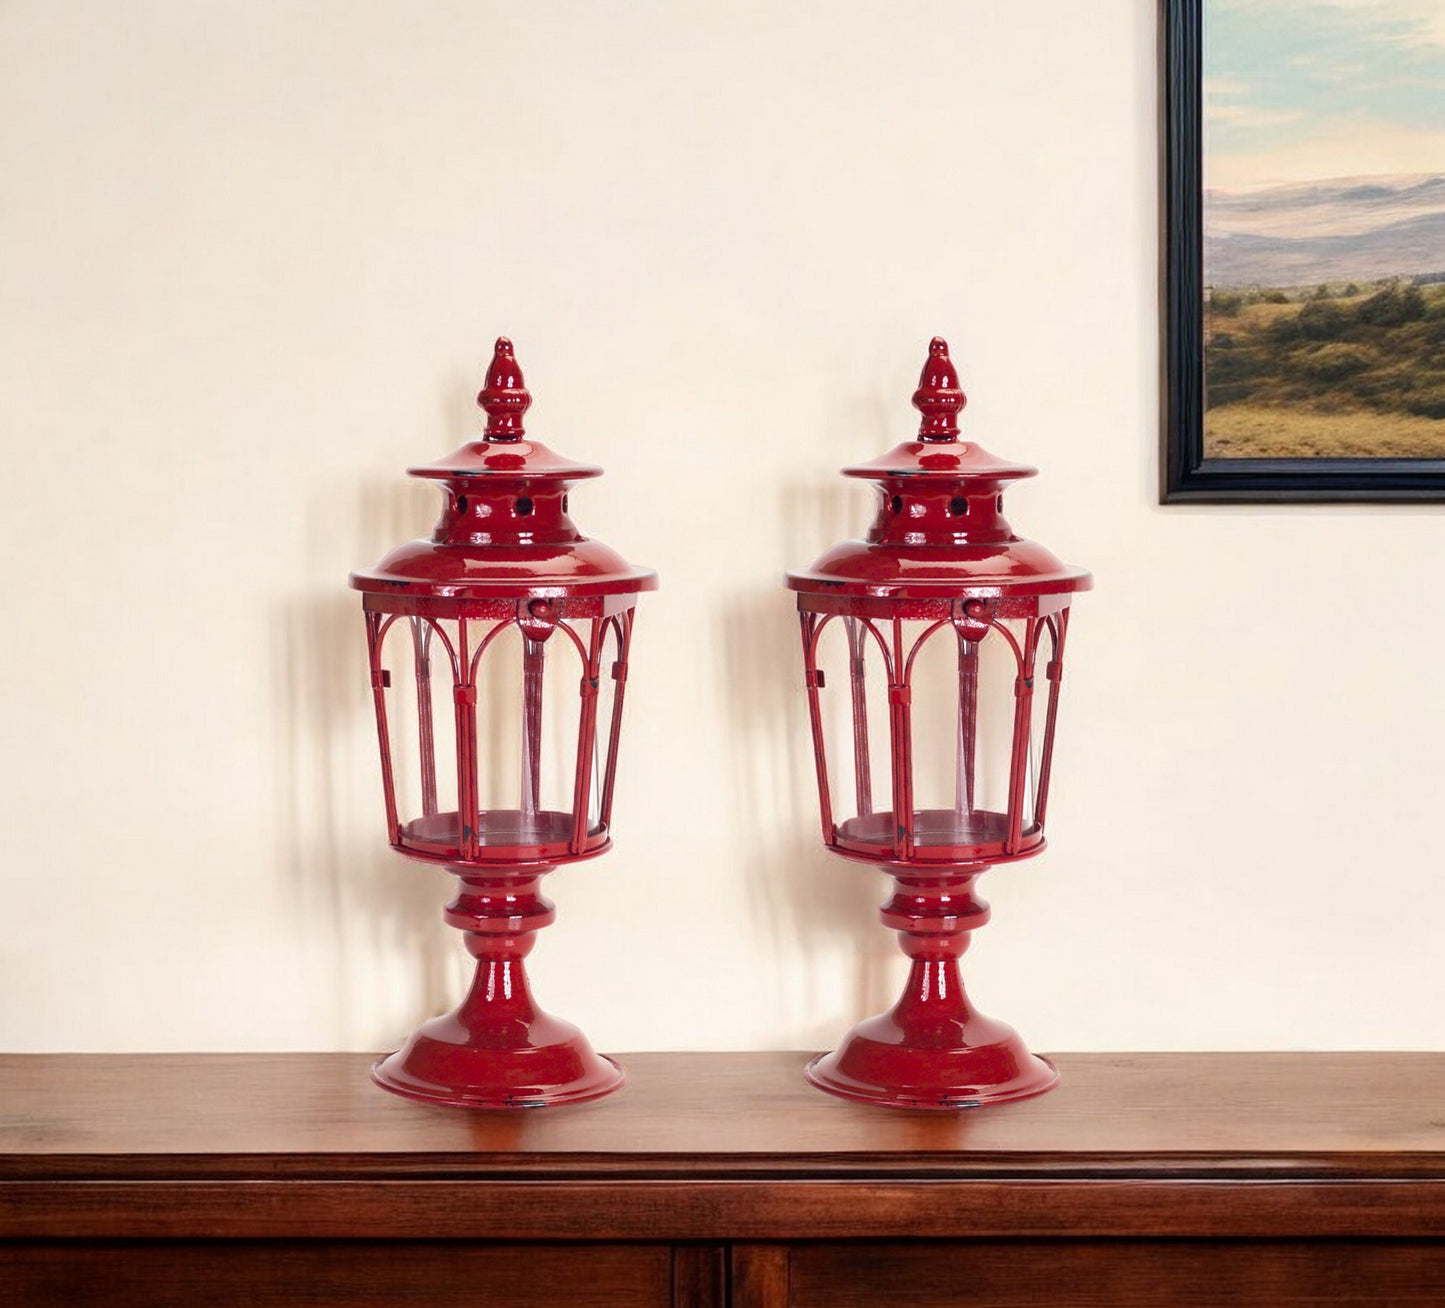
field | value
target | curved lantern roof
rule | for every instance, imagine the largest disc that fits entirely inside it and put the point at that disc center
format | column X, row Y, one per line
column 940, row 530
column 505, row 531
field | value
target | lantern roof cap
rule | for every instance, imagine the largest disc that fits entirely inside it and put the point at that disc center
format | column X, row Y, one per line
column 940, row 531
column 503, row 450
column 938, row 452
column 505, row 531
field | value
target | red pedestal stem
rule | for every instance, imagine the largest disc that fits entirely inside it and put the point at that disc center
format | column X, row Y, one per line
column 498, row 1049
column 933, row 1049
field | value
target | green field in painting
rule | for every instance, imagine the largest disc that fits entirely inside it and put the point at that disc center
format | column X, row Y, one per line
column 1335, row 371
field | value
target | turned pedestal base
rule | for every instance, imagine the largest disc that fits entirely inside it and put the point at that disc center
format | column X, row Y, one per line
column 933, row 1049
column 498, row 1049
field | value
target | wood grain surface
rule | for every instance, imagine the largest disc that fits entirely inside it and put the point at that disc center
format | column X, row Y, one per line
column 318, row 1114
column 1121, row 1274
column 319, row 1274
column 1313, row 1145
column 716, row 1179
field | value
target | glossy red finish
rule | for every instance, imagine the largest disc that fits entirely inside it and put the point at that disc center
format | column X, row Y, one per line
column 504, row 531
column 940, row 533
column 505, row 561
column 940, row 563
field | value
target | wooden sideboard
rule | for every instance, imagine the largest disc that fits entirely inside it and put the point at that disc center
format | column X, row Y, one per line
column 1144, row 1179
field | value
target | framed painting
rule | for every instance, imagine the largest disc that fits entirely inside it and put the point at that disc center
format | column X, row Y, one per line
column 1304, row 250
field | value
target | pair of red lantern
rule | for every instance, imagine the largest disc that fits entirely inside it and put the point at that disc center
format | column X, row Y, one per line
column 932, row 654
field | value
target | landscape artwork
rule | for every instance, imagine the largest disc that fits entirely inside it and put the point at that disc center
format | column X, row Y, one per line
column 1323, row 229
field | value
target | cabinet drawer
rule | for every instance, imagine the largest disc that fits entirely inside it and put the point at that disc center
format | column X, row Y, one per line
column 320, row 1273
column 1118, row 1274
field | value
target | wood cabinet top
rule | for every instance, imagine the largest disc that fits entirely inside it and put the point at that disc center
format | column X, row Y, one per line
column 751, row 1113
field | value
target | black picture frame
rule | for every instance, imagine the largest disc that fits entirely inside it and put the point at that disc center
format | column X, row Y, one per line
column 1186, row 475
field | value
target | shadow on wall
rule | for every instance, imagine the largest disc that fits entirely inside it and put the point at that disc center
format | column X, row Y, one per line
column 813, row 905
column 383, row 911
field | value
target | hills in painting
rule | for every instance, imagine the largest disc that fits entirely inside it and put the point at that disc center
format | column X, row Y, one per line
column 1349, row 229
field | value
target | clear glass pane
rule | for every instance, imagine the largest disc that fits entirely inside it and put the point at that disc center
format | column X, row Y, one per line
column 1041, row 744
column 528, row 715
column 437, row 715
column 563, row 669
column 421, row 724
column 853, row 705
column 605, row 742
column 501, row 754
column 962, row 717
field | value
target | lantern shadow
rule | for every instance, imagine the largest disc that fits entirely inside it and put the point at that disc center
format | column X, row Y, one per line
column 810, row 903
column 378, row 906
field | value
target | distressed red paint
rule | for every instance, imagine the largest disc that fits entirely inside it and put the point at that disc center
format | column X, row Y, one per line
column 505, row 560
column 940, row 562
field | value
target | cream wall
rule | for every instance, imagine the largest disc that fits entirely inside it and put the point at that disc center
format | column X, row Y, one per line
column 254, row 255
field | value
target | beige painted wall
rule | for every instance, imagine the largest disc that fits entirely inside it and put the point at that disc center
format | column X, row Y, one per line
column 252, row 257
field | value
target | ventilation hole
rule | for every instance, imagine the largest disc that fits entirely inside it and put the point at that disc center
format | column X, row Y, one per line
column 896, row 504
column 958, row 506
column 461, row 503
column 564, row 504
column 524, row 506
column 998, row 504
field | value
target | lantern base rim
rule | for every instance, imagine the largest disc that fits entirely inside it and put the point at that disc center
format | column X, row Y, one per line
column 535, row 1063
column 602, row 1076
column 934, row 1079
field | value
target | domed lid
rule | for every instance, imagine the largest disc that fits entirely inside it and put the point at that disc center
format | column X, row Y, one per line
column 940, row 530
column 504, row 532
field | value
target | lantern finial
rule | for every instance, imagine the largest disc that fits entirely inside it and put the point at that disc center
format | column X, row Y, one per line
column 505, row 397
column 939, row 398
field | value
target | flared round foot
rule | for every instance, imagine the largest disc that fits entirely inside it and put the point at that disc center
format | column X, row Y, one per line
column 541, row 1065
column 930, row 1074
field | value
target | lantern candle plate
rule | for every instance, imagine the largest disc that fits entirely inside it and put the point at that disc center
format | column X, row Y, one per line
column 546, row 834
column 938, row 833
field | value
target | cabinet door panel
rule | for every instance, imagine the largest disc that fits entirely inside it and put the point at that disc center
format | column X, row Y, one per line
column 323, row 1273
column 1119, row 1274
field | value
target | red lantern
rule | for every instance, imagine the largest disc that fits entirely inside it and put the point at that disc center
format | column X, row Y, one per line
column 498, row 659
column 922, row 649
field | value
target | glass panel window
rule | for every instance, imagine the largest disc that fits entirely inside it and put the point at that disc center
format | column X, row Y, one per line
column 417, row 656
column 962, row 729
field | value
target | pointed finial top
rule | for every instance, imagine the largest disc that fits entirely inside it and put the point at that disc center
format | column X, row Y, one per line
column 939, row 398
column 505, row 397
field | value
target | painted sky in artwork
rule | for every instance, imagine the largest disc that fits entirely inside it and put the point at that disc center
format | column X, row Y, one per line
column 1301, row 90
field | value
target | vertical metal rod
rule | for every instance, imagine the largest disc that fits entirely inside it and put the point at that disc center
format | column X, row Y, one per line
column 1018, row 758
column 809, row 622
column 468, row 817
column 967, row 726
column 421, row 634
column 902, row 748
column 857, row 673
column 1056, row 676
column 378, row 695
column 586, row 736
column 622, row 625
column 534, row 654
